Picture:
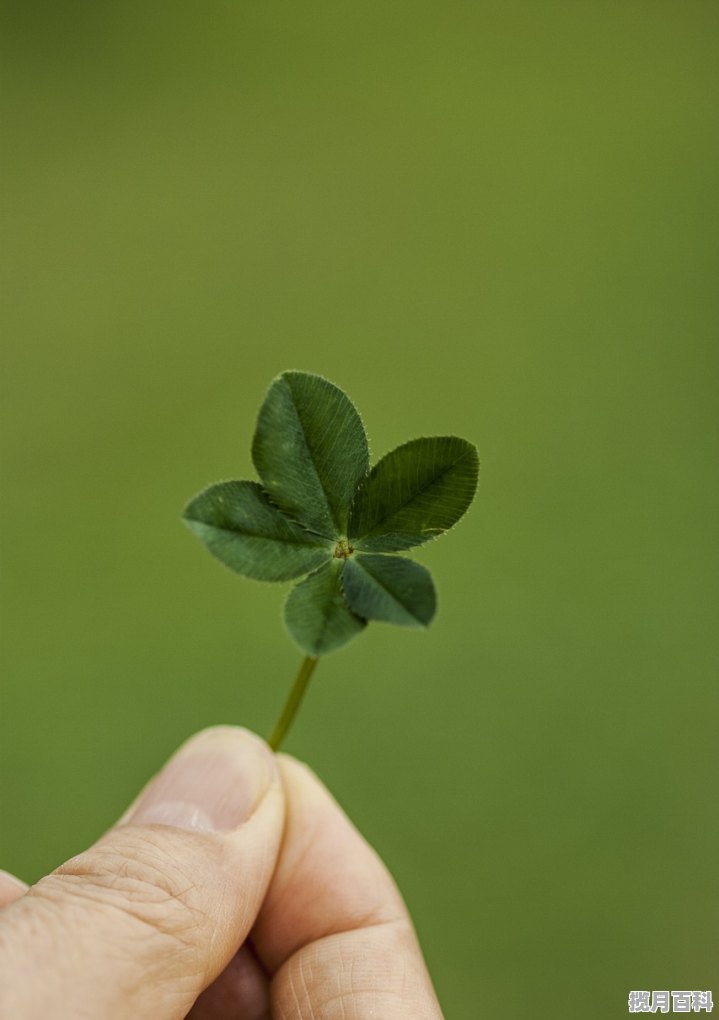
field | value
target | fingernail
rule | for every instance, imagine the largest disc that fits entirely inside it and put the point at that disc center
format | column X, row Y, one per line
column 213, row 783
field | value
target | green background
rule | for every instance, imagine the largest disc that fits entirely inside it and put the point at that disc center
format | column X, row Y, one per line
column 497, row 220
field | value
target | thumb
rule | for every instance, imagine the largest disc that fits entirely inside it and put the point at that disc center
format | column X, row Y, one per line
column 142, row 922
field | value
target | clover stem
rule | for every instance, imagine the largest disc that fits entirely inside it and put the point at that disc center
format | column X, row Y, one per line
column 293, row 702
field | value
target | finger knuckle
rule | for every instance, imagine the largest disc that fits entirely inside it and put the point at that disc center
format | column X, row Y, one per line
column 135, row 875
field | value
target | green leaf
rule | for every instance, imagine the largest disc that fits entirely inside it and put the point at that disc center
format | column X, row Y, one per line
column 389, row 588
column 413, row 494
column 310, row 451
column 316, row 614
column 240, row 526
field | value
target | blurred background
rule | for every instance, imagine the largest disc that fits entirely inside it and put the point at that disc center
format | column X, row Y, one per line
column 493, row 219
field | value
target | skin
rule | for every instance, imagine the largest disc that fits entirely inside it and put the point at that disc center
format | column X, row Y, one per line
column 234, row 888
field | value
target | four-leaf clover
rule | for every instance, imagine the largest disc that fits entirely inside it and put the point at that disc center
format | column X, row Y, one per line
column 320, row 511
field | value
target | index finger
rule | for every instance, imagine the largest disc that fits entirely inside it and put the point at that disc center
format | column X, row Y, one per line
column 333, row 931
column 11, row 888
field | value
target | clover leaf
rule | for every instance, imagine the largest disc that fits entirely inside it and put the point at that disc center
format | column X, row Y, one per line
column 319, row 513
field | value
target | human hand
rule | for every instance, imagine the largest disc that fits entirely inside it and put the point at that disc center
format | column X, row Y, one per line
column 234, row 887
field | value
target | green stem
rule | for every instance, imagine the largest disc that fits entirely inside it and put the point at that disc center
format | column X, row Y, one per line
column 293, row 702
